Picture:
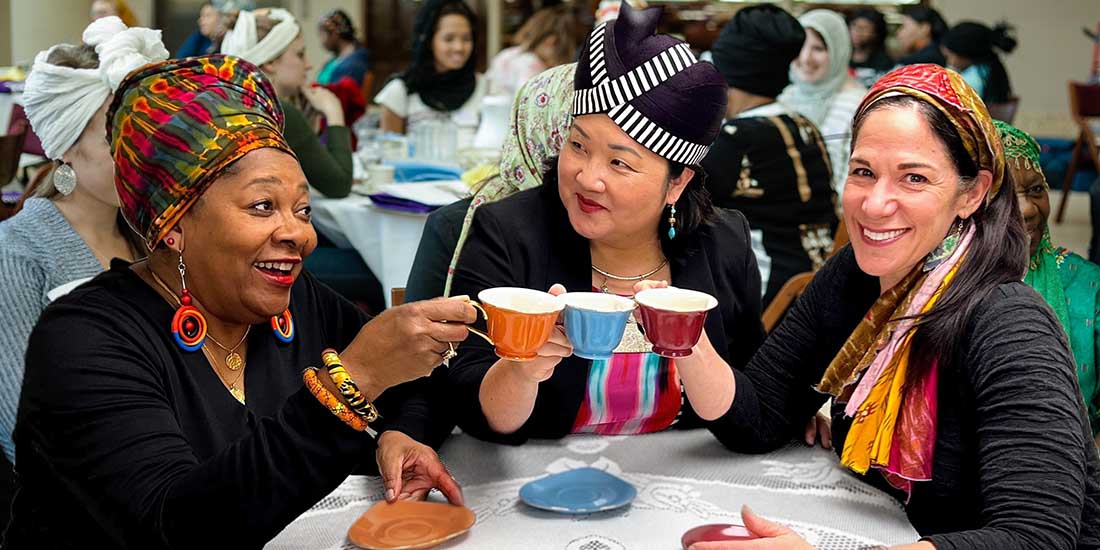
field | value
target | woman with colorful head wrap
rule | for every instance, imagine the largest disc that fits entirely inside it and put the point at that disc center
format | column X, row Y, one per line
column 172, row 403
column 272, row 40
column 955, row 390
column 70, row 231
column 620, row 209
column 1068, row 282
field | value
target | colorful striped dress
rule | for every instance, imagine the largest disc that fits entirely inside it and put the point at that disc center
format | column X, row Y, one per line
column 634, row 392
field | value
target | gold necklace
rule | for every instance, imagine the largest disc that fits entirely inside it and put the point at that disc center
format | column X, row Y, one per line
column 642, row 277
column 236, row 392
column 233, row 360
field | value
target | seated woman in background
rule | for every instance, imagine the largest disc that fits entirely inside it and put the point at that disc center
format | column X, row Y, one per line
column 769, row 161
column 149, row 402
column 548, row 39
column 540, row 122
column 350, row 57
column 821, row 89
column 441, row 83
column 922, row 28
column 599, row 222
column 1068, row 282
column 867, row 28
column 954, row 388
column 968, row 48
column 272, row 40
column 71, row 230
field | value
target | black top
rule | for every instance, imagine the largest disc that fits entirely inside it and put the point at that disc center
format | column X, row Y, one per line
column 774, row 168
column 124, row 440
column 1014, row 465
column 526, row 240
column 433, row 256
column 928, row 54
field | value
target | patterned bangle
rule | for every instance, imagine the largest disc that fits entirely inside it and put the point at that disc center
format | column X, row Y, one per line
column 348, row 388
column 356, row 422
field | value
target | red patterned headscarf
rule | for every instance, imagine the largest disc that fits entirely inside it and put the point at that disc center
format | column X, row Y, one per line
column 175, row 126
column 946, row 90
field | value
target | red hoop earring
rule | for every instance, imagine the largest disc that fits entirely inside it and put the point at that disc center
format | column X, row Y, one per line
column 188, row 324
column 283, row 326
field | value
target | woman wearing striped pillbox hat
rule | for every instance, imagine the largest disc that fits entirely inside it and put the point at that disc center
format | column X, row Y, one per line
column 622, row 208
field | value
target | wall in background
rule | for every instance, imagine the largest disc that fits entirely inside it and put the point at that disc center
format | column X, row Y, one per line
column 34, row 25
column 1051, row 50
column 5, row 29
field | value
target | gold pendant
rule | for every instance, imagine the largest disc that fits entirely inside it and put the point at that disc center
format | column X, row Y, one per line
column 233, row 361
column 237, row 393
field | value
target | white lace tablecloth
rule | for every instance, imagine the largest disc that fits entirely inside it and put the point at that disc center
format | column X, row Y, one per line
column 684, row 479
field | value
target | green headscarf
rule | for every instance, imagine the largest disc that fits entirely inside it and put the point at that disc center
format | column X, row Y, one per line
column 1022, row 153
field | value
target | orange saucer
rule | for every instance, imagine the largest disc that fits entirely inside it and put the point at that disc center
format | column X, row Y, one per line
column 409, row 525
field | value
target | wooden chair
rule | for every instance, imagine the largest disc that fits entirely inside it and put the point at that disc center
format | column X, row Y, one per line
column 397, row 296
column 795, row 286
column 1006, row 111
column 1084, row 103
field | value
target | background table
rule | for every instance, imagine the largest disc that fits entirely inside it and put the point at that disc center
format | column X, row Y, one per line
column 684, row 479
column 386, row 239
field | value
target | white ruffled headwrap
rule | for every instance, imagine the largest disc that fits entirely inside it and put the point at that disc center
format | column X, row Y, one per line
column 241, row 39
column 60, row 101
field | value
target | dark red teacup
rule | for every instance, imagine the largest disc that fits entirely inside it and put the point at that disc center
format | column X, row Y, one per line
column 673, row 318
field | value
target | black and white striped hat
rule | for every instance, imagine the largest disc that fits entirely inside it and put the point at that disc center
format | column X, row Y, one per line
column 651, row 85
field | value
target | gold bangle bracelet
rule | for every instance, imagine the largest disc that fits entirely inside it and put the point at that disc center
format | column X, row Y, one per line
column 347, row 386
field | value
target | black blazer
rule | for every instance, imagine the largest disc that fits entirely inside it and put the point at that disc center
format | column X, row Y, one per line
column 526, row 240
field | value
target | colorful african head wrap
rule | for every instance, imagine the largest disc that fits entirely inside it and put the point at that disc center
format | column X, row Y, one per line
column 946, row 90
column 174, row 127
column 1019, row 147
column 651, row 85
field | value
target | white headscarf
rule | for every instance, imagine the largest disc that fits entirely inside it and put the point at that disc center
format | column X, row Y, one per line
column 241, row 40
column 813, row 99
column 61, row 100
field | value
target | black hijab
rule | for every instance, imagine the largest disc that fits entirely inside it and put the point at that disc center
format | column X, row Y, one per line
column 441, row 92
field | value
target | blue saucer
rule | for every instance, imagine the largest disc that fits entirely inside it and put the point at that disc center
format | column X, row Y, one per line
column 580, row 491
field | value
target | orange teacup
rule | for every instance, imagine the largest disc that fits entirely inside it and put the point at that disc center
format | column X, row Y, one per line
column 519, row 320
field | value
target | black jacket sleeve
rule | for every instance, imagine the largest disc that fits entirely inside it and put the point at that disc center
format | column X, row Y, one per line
column 775, row 393
column 1034, row 444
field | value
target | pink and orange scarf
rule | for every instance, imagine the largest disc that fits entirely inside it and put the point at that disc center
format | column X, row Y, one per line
column 894, row 413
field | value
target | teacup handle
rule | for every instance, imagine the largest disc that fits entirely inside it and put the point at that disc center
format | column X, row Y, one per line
column 483, row 336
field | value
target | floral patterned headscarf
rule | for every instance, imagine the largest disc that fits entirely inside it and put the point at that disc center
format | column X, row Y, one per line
column 540, row 123
column 893, row 417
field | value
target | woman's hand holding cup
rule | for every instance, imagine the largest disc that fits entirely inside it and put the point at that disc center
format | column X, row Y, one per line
column 406, row 342
column 549, row 354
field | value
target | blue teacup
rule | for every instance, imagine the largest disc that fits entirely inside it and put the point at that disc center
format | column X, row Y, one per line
column 594, row 322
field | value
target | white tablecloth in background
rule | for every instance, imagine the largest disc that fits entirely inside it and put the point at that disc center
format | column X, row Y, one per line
column 684, row 479
column 386, row 239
